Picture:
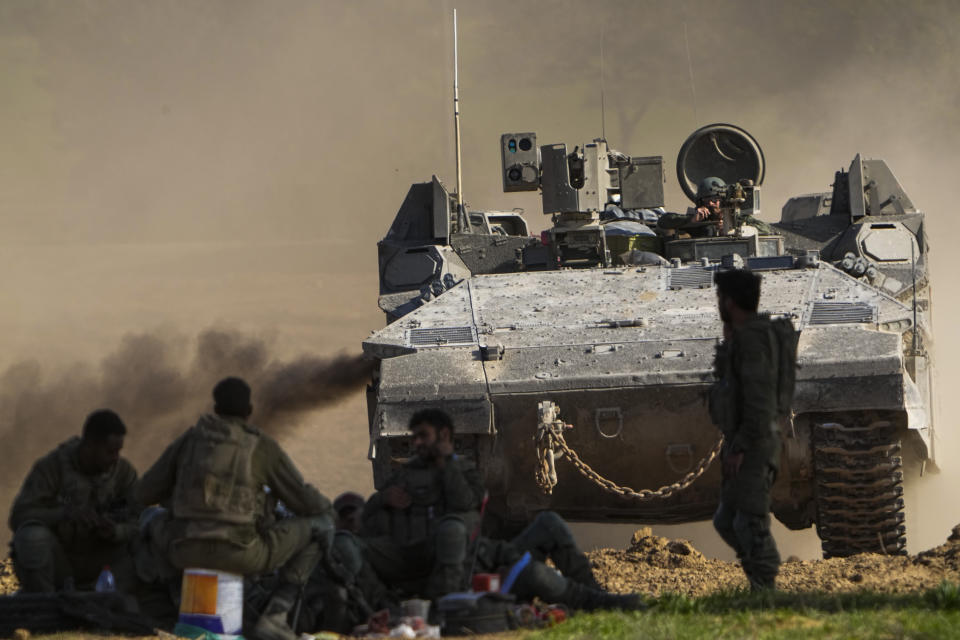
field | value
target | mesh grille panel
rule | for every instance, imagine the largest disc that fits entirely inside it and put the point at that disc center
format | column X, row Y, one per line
column 436, row 336
column 691, row 277
column 841, row 313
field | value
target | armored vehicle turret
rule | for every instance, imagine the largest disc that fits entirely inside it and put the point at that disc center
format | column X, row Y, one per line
column 576, row 364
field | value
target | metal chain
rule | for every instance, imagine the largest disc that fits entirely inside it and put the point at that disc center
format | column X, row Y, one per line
column 549, row 438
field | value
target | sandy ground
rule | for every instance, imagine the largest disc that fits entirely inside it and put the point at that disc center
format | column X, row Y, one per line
column 654, row 565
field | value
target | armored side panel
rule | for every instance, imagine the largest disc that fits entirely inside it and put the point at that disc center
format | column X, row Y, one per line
column 715, row 249
column 559, row 195
column 641, row 183
column 441, row 208
column 415, row 262
column 874, row 190
column 598, row 184
column 806, row 206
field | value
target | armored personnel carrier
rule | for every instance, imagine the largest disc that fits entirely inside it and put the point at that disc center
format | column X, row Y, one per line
column 576, row 363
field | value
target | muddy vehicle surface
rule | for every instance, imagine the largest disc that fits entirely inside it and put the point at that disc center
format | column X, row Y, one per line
column 600, row 334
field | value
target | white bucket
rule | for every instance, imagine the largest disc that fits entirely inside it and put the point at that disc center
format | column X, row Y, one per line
column 212, row 600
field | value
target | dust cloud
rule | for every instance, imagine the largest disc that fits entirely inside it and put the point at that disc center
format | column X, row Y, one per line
column 159, row 383
column 169, row 167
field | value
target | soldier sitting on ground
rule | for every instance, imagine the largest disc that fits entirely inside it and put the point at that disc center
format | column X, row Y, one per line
column 76, row 513
column 349, row 509
column 416, row 528
column 213, row 477
column 571, row 582
column 343, row 593
column 421, row 499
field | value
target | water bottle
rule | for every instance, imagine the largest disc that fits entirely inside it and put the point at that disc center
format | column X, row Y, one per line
column 105, row 581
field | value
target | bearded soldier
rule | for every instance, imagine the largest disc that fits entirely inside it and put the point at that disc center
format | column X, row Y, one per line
column 744, row 405
column 417, row 526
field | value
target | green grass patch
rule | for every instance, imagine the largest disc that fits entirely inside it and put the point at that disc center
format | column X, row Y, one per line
column 931, row 615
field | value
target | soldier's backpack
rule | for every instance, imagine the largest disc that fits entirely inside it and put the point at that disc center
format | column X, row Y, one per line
column 786, row 345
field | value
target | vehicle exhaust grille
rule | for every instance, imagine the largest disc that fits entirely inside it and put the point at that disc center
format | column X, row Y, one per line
column 440, row 336
column 690, row 278
column 841, row 313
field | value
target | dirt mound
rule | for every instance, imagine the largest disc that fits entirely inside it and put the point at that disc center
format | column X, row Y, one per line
column 8, row 579
column 654, row 565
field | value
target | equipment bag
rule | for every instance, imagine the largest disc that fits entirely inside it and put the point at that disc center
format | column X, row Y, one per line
column 469, row 613
column 786, row 349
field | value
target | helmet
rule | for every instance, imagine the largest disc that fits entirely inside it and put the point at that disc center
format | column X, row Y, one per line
column 710, row 187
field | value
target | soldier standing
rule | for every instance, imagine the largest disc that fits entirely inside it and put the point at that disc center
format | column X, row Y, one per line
column 418, row 525
column 213, row 477
column 743, row 404
column 75, row 512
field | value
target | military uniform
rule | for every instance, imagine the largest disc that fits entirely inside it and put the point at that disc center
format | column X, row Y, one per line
column 549, row 538
column 427, row 540
column 680, row 222
column 743, row 404
column 47, row 549
column 213, row 477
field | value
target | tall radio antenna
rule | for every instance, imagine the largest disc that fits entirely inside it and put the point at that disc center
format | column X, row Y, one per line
column 693, row 88
column 456, row 116
column 603, row 110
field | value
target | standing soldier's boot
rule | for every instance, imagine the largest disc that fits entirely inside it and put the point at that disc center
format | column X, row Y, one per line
column 273, row 622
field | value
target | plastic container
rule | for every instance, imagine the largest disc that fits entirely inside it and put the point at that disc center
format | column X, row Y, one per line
column 415, row 608
column 106, row 583
column 486, row 582
column 212, row 600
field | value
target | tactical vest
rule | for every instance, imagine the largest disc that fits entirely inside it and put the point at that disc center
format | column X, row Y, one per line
column 413, row 524
column 725, row 411
column 98, row 492
column 215, row 474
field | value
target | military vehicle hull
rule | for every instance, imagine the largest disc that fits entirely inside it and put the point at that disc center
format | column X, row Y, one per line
column 626, row 353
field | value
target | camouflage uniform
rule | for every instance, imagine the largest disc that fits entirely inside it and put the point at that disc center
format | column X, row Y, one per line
column 48, row 549
column 214, row 476
column 743, row 404
column 428, row 539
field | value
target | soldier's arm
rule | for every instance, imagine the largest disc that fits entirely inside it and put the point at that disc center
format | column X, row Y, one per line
column 158, row 482
column 674, row 220
column 372, row 518
column 462, row 486
column 754, row 367
column 286, row 482
column 38, row 499
column 128, row 508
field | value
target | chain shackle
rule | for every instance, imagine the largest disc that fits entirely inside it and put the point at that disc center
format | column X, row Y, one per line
column 550, row 440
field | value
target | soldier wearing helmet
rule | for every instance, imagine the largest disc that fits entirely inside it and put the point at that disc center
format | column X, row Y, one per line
column 705, row 219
